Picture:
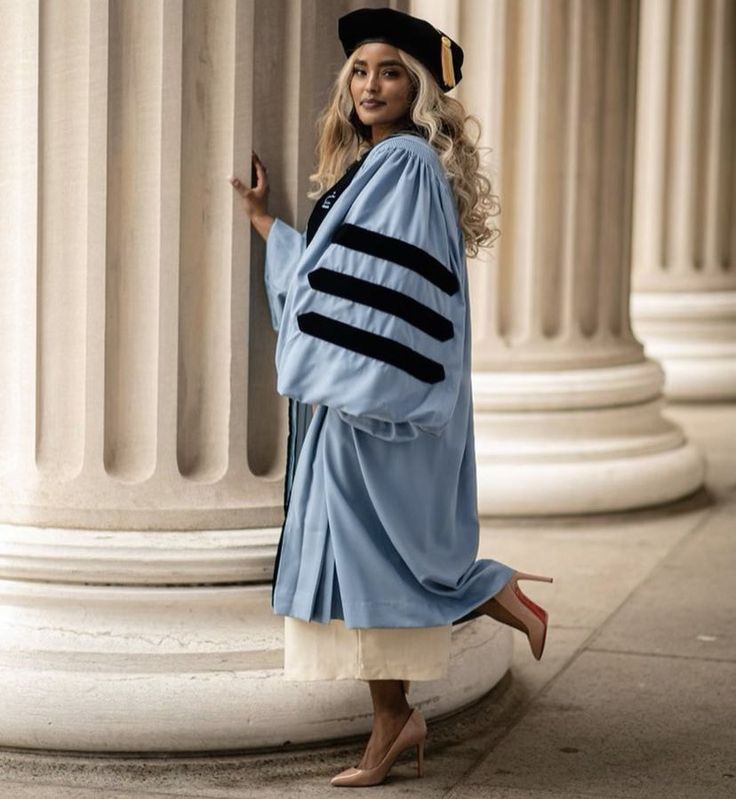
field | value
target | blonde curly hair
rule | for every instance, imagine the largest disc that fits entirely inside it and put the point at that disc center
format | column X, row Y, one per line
column 441, row 120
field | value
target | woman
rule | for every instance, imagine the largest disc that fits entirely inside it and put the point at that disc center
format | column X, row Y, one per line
column 377, row 553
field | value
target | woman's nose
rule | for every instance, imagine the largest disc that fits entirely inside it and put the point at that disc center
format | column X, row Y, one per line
column 372, row 80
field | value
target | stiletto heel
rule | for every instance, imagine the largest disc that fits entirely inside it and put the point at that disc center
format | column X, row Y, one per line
column 413, row 733
column 518, row 610
column 539, row 577
column 420, row 759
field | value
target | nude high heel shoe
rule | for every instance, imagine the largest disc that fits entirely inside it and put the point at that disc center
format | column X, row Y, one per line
column 413, row 733
column 515, row 608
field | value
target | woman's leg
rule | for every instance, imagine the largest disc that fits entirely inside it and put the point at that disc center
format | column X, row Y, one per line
column 390, row 712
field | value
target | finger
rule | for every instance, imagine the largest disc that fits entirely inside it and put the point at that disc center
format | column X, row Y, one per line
column 259, row 163
column 261, row 174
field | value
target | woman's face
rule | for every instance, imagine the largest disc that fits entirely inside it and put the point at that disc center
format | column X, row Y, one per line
column 380, row 87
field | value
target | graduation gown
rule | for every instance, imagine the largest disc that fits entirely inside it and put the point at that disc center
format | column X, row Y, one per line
column 373, row 323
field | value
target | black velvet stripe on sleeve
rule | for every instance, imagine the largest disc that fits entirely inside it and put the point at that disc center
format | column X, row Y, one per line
column 382, row 298
column 399, row 252
column 371, row 344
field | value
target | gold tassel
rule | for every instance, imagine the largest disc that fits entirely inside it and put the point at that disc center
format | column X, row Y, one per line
column 448, row 73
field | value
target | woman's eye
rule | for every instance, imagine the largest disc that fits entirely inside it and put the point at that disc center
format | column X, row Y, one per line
column 389, row 73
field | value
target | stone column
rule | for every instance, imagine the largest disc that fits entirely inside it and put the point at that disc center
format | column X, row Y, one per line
column 568, row 408
column 141, row 440
column 684, row 278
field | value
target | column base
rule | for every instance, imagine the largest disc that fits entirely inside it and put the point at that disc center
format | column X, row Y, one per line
column 154, row 668
column 578, row 441
column 693, row 334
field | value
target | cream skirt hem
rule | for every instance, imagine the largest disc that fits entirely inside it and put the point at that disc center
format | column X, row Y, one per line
column 316, row 651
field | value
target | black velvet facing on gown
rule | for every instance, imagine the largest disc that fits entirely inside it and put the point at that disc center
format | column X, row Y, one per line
column 382, row 298
column 371, row 344
column 399, row 252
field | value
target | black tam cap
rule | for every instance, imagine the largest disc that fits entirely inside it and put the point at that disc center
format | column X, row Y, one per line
column 442, row 57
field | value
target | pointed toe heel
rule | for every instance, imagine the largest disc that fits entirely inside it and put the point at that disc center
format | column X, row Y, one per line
column 413, row 733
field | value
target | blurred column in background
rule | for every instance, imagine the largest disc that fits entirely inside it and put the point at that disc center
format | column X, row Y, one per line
column 684, row 278
column 568, row 410
column 142, row 441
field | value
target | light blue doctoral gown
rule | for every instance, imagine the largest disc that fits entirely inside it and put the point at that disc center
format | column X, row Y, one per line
column 374, row 327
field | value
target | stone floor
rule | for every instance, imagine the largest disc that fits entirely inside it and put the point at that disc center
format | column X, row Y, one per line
column 635, row 695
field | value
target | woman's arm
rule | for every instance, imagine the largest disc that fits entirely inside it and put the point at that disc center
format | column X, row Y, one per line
column 255, row 199
column 284, row 245
column 376, row 332
column 262, row 224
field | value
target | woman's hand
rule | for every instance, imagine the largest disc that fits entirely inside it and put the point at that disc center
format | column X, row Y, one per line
column 255, row 200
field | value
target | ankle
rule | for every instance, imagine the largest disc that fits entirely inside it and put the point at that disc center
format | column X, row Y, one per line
column 392, row 715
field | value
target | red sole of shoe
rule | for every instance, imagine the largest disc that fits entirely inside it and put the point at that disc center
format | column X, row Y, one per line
column 539, row 612
column 544, row 638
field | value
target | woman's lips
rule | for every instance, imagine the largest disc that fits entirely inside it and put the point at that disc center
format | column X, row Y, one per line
column 371, row 103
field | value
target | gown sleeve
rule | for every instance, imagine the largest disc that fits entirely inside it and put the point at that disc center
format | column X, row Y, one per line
column 284, row 247
column 378, row 331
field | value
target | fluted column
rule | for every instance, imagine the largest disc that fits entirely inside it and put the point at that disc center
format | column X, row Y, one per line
column 684, row 278
column 142, row 442
column 140, row 491
column 568, row 408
